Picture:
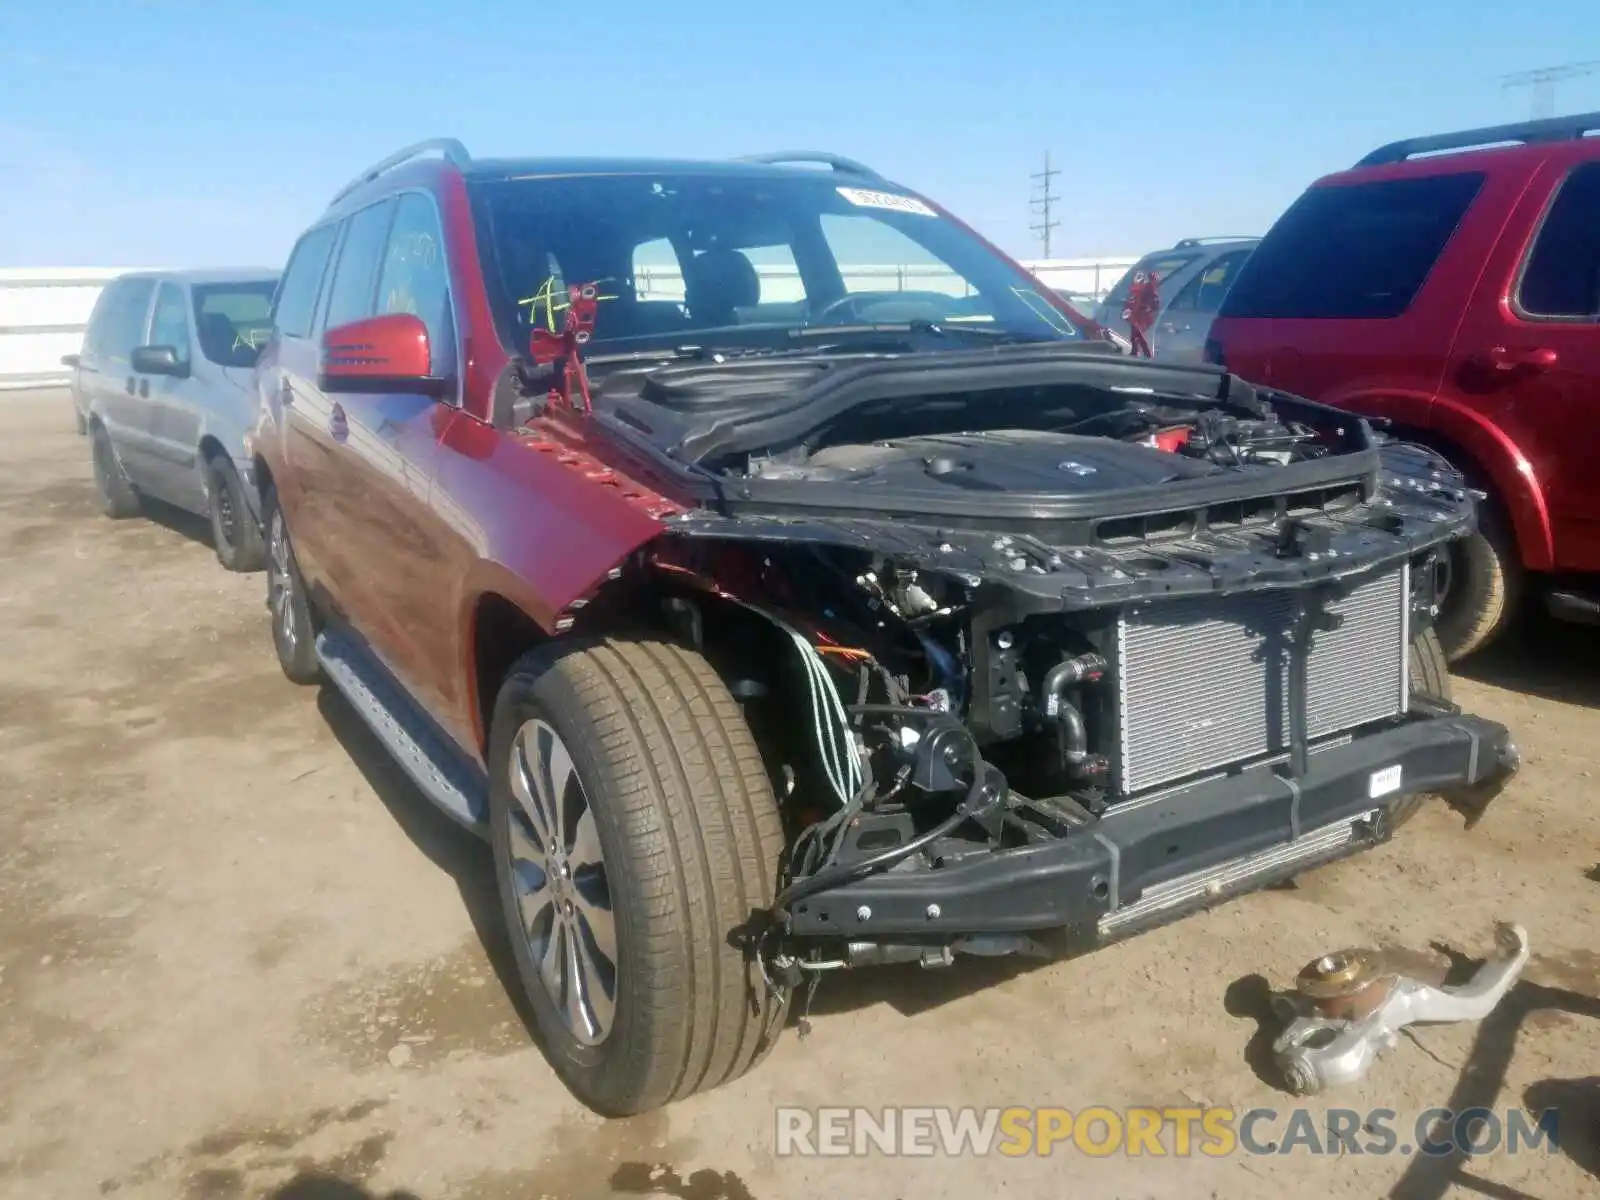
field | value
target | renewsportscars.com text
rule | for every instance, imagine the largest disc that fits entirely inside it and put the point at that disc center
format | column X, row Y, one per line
column 1160, row 1132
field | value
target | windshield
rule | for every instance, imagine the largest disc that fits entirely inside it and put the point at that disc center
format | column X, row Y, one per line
column 716, row 259
column 1163, row 263
column 232, row 320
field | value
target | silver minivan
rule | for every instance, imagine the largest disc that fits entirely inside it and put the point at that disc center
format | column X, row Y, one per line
column 163, row 386
column 1195, row 275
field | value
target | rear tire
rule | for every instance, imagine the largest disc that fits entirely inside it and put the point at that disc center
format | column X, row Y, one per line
column 294, row 634
column 1485, row 586
column 662, row 786
column 117, row 498
column 234, row 532
column 1429, row 674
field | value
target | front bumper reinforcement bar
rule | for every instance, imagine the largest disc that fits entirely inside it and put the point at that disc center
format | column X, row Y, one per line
column 1153, row 860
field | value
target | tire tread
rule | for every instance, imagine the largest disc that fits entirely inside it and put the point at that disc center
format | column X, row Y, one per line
column 686, row 784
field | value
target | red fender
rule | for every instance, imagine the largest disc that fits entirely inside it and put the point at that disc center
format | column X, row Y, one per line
column 1512, row 475
column 1515, row 480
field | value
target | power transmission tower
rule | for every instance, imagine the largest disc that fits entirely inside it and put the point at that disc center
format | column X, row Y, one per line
column 1041, row 203
column 1542, row 83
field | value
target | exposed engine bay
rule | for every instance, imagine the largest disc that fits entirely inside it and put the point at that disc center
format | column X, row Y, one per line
column 1080, row 458
column 1053, row 642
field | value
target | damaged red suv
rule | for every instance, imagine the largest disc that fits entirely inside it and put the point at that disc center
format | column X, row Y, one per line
column 1451, row 286
column 784, row 580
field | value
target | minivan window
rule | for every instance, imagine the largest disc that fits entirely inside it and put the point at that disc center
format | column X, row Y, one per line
column 170, row 324
column 1207, row 290
column 356, row 276
column 116, row 331
column 233, row 320
column 296, row 304
column 1562, row 278
column 1360, row 250
column 1163, row 264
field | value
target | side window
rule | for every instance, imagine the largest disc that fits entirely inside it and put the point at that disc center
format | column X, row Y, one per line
column 123, row 327
column 1561, row 280
column 170, row 325
column 414, row 278
column 1205, row 292
column 355, row 277
column 296, row 303
column 1359, row 250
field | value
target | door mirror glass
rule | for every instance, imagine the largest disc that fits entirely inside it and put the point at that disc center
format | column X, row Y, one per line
column 379, row 354
column 159, row 360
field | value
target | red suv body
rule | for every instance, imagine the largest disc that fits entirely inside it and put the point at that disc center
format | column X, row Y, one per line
column 1451, row 285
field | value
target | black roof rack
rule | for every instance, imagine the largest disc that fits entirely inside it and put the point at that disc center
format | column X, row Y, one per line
column 1191, row 243
column 1551, row 129
column 450, row 149
column 839, row 163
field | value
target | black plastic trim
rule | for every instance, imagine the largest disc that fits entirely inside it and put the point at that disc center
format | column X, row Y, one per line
column 1060, row 885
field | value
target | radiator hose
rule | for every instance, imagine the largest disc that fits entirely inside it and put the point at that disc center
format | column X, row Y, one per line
column 1086, row 668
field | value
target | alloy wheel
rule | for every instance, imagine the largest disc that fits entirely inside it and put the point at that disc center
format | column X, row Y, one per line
column 558, row 874
column 280, row 598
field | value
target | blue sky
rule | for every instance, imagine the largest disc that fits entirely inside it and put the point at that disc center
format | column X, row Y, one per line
column 178, row 132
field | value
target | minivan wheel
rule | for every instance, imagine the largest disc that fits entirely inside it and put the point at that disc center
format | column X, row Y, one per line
column 1477, row 587
column 635, row 836
column 116, row 495
column 293, row 632
column 234, row 532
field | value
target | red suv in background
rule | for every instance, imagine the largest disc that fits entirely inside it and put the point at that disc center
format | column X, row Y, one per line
column 1451, row 285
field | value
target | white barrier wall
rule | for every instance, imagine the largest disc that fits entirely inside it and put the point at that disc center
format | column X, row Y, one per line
column 43, row 310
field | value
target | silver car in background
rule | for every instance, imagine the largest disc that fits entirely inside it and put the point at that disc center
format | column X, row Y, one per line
column 1194, row 276
column 163, row 388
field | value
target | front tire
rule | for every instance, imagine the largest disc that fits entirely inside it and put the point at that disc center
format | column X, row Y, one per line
column 635, row 835
column 294, row 633
column 234, row 532
column 1484, row 589
column 117, row 498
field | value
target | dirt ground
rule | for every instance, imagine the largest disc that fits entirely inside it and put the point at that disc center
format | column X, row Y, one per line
column 241, row 957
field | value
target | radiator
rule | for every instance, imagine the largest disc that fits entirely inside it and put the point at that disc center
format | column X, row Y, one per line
column 1204, row 683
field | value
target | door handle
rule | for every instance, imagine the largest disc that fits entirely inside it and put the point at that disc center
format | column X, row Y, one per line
column 130, row 385
column 338, row 423
column 144, row 389
column 1510, row 358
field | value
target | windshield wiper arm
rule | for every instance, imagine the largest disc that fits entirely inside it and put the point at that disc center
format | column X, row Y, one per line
column 920, row 327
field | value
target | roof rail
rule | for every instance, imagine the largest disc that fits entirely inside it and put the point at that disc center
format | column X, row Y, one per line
column 450, row 149
column 1551, row 129
column 1191, row 243
column 840, row 164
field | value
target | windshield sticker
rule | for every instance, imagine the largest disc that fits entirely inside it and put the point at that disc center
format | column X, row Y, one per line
column 862, row 198
column 550, row 299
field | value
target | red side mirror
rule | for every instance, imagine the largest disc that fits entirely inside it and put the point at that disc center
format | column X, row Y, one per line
column 379, row 354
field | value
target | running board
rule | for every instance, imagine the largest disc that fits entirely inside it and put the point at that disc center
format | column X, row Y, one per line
column 411, row 737
column 1203, row 888
column 1577, row 607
